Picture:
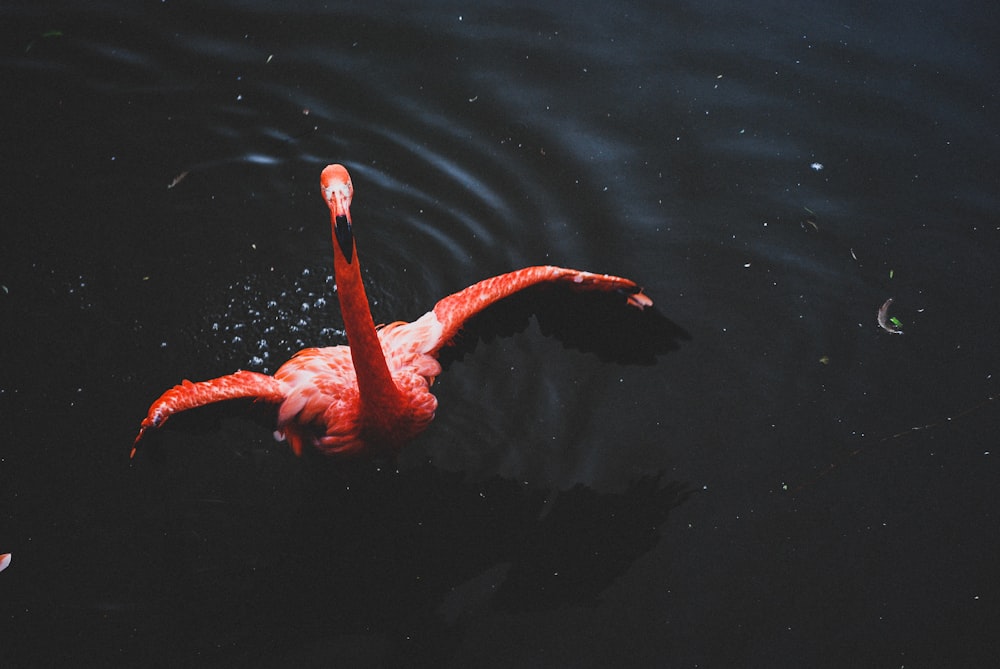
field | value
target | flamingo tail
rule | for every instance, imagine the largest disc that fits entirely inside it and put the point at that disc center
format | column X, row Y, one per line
column 454, row 310
column 190, row 395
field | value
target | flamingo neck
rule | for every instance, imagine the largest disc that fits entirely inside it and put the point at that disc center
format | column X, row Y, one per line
column 375, row 383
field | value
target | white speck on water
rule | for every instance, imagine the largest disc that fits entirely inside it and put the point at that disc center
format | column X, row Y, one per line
column 817, row 166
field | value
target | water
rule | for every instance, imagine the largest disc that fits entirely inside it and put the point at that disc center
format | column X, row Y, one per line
column 770, row 173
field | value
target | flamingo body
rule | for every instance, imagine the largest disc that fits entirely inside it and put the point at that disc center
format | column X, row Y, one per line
column 321, row 388
column 373, row 393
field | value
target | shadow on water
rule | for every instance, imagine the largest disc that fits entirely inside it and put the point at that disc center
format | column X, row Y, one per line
column 413, row 555
column 272, row 558
column 294, row 560
column 598, row 323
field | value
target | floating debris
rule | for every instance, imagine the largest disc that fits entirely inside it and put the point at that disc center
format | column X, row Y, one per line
column 46, row 34
column 890, row 325
column 810, row 220
column 816, row 166
column 177, row 179
column 4, row 561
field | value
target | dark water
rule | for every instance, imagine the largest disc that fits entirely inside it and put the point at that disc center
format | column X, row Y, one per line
column 760, row 496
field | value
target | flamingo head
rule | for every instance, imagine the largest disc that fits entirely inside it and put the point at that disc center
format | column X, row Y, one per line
column 335, row 184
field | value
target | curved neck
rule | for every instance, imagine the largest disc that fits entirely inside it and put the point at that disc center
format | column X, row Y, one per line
column 374, row 380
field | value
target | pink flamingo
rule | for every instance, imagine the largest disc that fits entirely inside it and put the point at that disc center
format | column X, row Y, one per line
column 373, row 393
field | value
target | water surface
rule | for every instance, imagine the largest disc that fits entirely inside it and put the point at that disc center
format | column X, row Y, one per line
column 770, row 173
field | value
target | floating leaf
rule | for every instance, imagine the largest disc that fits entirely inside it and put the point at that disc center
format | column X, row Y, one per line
column 889, row 325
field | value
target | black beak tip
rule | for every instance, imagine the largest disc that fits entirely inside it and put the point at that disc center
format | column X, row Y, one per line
column 345, row 238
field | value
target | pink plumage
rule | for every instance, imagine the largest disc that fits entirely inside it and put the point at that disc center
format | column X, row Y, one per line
column 373, row 393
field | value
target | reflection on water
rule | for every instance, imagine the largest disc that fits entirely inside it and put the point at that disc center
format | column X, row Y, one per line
column 672, row 144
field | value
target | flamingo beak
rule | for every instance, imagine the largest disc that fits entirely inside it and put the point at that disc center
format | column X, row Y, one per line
column 345, row 238
column 337, row 191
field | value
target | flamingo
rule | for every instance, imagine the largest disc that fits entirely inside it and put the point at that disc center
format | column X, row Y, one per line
column 374, row 393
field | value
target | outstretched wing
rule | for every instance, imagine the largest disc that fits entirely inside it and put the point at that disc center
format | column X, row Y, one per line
column 453, row 311
column 188, row 395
